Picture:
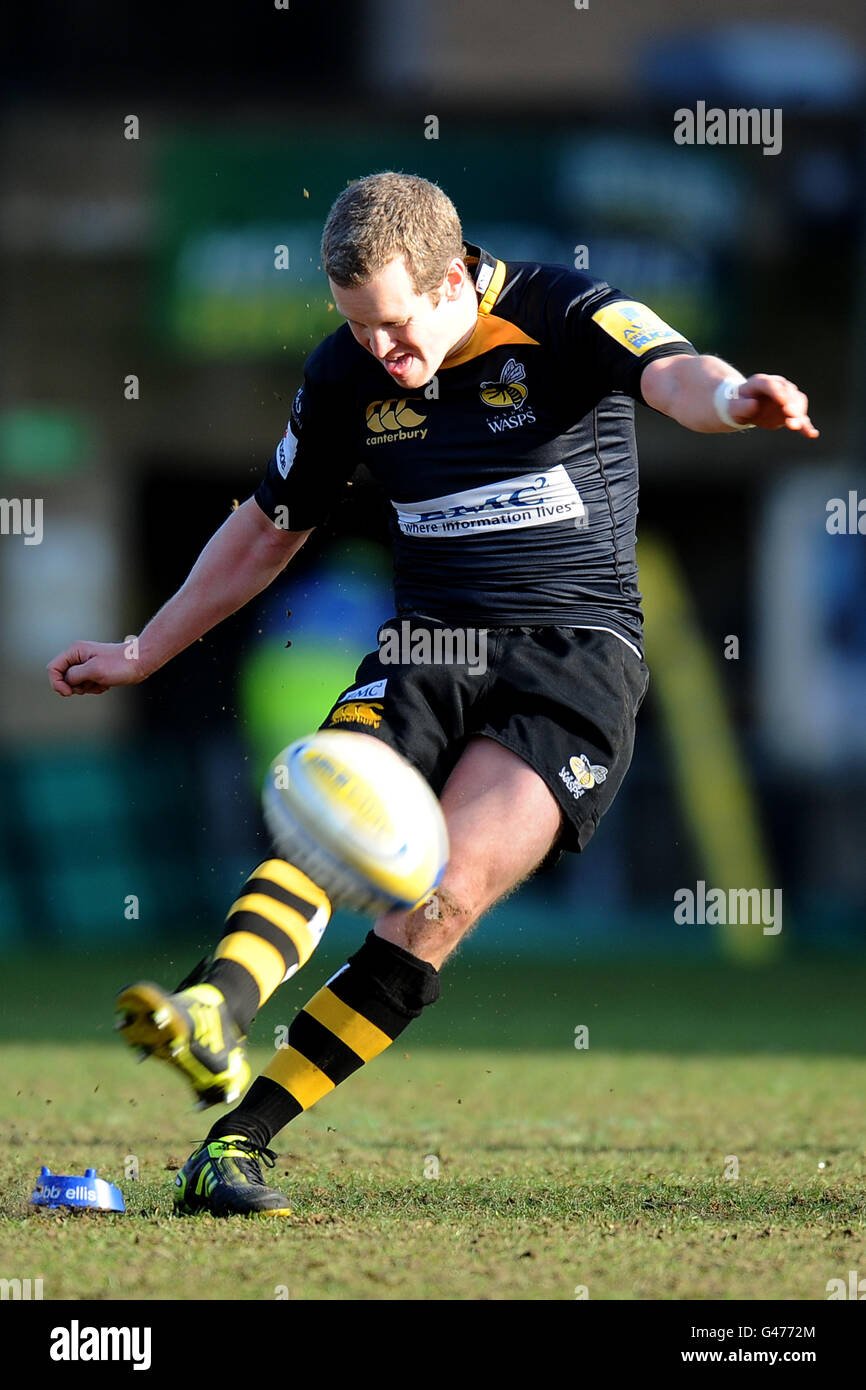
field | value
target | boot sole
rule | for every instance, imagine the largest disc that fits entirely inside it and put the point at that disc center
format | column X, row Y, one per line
column 149, row 1022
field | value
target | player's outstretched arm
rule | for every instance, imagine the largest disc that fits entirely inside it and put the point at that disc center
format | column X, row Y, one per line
column 690, row 390
column 238, row 562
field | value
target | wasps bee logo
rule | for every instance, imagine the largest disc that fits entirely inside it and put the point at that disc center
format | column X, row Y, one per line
column 587, row 774
column 392, row 415
column 509, row 390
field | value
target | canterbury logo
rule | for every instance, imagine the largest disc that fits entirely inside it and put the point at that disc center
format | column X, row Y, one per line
column 358, row 712
column 208, row 1027
column 392, row 415
column 509, row 390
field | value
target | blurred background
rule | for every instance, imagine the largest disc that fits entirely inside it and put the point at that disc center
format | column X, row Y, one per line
column 151, row 350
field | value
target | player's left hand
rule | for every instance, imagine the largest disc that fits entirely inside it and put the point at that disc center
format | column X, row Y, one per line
column 771, row 402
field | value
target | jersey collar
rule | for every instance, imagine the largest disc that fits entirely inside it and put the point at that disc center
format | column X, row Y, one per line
column 488, row 274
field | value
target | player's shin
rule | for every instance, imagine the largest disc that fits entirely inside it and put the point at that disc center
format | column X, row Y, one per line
column 271, row 931
column 358, row 1014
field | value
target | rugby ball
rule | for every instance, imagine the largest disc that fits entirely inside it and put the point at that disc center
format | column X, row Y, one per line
column 357, row 819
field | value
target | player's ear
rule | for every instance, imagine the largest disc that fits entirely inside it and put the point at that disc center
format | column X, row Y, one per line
column 455, row 277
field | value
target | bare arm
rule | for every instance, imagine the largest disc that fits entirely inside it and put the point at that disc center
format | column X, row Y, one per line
column 240, row 560
column 683, row 387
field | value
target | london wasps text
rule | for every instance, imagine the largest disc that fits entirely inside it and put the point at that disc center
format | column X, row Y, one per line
column 511, row 421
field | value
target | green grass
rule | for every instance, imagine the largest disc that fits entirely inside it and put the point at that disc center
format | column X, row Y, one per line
column 558, row 1167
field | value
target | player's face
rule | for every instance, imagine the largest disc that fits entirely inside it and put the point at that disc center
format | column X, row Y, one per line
column 410, row 334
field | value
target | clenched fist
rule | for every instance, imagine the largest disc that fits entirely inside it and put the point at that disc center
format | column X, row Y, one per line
column 91, row 668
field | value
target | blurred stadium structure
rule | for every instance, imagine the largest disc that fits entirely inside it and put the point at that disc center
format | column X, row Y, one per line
column 151, row 350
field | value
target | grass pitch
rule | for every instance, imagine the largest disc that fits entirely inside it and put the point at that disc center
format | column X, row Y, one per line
column 609, row 1168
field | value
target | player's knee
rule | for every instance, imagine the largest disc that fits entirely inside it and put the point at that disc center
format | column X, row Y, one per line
column 467, row 891
column 448, row 910
column 434, row 928
column 452, row 907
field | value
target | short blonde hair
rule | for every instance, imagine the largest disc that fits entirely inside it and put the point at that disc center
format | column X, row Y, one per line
column 387, row 215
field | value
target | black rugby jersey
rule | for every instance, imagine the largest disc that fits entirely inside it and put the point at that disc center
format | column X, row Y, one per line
column 512, row 476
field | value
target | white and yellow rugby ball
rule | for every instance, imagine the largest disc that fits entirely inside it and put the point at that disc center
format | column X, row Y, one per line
column 358, row 819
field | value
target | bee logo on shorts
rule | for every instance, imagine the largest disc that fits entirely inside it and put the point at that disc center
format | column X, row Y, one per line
column 588, row 774
column 581, row 775
column 509, row 390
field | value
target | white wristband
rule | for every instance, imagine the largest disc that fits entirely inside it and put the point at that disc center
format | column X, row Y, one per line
column 729, row 390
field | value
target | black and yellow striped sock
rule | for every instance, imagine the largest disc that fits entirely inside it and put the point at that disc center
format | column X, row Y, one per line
column 358, row 1013
column 271, row 931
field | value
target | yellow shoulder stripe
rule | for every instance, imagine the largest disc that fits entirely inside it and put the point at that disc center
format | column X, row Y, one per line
column 491, row 294
column 490, row 332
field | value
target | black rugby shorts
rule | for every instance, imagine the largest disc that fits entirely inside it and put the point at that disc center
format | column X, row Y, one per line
column 564, row 699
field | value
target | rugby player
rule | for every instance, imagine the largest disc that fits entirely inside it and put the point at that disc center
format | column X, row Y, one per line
column 493, row 403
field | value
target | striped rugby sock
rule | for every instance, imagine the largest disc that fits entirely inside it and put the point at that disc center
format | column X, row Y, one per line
column 271, row 931
column 358, row 1013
